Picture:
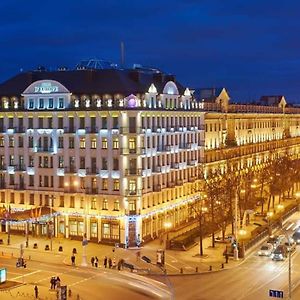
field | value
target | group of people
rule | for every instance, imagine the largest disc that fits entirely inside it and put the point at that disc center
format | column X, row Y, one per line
column 54, row 282
column 111, row 263
column 94, row 261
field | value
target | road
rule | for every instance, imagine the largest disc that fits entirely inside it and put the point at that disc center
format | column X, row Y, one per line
column 251, row 280
column 89, row 283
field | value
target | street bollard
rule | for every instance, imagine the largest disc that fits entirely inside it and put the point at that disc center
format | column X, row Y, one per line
column 196, row 269
column 210, row 268
column 222, row 266
column 181, row 271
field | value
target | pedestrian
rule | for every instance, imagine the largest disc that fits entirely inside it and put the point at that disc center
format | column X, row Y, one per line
column 57, row 282
column 109, row 263
column 92, row 260
column 105, row 262
column 119, row 265
column 52, row 282
column 36, row 292
column 73, row 260
column 96, row 262
column 114, row 263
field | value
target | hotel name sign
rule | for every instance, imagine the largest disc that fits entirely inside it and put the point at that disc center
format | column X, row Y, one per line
column 46, row 88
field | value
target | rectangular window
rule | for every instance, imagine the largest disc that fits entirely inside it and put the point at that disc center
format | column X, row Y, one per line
column 50, row 123
column 50, row 103
column 2, row 141
column 31, row 180
column 60, row 122
column 61, row 103
column 31, row 104
column 105, row 204
column 41, row 123
column 81, row 123
column 60, row 142
column 71, row 142
column 30, row 141
column 116, row 185
column 116, row 164
column 93, row 143
column 10, row 123
column 41, row 103
column 104, row 163
column 115, row 123
column 104, row 184
column 30, row 123
column 104, row 122
column 115, row 143
column 31, row 199
column 60, row 181
column 93, row 203
column 72, row 202
column 21, row 143
column 117, row 205
column 61, row 201
column 46, row 181
column 82, row 143
column 104, row 143
column 82, row 162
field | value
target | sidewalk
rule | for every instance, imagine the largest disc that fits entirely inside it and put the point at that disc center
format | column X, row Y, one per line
column 176, row 262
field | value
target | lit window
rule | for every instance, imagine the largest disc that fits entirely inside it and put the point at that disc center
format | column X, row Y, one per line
column 116, row 185
column 82, row 143
column 104, row 143
column 132, row 143
column 105, row 204
column 116, row 143
column 104, row 184
column 117, row 205
column 132, row 186
column 93, row 203
column 93, row 143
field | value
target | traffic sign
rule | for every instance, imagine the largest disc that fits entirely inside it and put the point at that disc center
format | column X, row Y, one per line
column 275, row 294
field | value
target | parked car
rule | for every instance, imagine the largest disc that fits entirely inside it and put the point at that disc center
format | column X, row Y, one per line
column 266, row 250
column 280, row 253
column 296, row 237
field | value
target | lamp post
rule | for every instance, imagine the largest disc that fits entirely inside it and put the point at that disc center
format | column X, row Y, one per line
column 236, row 250
column 269, row 216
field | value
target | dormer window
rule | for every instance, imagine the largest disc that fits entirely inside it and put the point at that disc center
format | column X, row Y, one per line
column 50, row 103
column 61, row 103
column 41, row 103
column 31, row 104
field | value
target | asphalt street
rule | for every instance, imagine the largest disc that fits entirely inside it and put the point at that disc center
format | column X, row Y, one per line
column 251, row 280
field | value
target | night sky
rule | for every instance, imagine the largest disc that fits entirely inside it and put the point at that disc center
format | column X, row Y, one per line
column 250, row 47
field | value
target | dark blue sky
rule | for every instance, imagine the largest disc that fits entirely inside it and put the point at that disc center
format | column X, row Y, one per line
column 251, row 47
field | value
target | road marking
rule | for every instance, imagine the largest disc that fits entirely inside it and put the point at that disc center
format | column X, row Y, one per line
column 34, row 272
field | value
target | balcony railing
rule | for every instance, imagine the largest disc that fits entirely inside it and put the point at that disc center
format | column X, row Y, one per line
column 3, row 167
column 20, row 186
column 69, row 129
column 135, row 172
column 20, row 167
column 137, row 192
column 20, row 129
column 91, row 129
column 44, row 149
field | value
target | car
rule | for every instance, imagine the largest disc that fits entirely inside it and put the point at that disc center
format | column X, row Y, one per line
column 291, row 246
column 280, row 253
column 296, row 237
column 266, row 250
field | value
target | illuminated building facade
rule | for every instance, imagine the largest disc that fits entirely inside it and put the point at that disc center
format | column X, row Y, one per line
column 112, row 152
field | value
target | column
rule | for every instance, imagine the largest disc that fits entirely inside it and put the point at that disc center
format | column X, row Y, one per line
column 88, row 227
column 67, row 226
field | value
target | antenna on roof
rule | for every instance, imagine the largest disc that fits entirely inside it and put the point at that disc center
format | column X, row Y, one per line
column 122, row 54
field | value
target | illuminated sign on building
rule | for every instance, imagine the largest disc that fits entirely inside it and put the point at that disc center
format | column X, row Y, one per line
column 46, row 88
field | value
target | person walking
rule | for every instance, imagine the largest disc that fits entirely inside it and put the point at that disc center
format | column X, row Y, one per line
column 57, row 282
column 109, row 263
column 73, row 260
column 96, row 262
column 36, row 292
column 52, row 282
column 105, row 262
column 92, row 260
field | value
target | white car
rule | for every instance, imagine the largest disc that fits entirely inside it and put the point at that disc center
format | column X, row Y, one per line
column 266, row 250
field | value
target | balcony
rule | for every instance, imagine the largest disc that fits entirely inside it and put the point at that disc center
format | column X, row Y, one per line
column 2, row 168
column 91, row 191
column 137, row 192
column 157, row 188
column 92, row 171
column 133, row 172
column 137, row 151
column 70, row 170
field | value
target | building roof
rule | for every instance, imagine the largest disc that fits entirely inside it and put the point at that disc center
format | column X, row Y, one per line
column 92, row 81
column 208, row 94
column 270, row 100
